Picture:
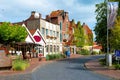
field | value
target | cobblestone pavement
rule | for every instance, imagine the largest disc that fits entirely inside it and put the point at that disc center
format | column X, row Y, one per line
column 67, row 69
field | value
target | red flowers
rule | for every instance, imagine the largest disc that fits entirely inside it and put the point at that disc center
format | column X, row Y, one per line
column 40, row 55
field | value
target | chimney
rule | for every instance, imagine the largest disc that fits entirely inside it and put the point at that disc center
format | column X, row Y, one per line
column 83, row 24
column 48, row 18
column 33, row 13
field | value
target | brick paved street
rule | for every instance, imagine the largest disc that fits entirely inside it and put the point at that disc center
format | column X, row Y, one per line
column 67, row 69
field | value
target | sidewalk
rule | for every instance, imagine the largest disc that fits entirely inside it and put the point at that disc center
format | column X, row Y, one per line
column 98, row 68
column 34, row 64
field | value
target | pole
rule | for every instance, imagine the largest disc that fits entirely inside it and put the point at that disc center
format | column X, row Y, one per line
column 107, row 37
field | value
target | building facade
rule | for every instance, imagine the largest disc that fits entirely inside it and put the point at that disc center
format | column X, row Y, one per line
column 50, row 32
column 61, row 18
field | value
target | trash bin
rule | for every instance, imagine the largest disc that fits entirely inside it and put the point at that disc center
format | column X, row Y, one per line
column 68, row 53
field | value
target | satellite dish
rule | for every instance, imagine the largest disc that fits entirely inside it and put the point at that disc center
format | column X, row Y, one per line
column 36, row 15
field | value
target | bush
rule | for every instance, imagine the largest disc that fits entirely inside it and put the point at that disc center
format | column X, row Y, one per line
column 102, row 61
column 83, row 52
column 101, row 52
column 95, row 53
column 54, row 56
column 19, row 64
column 117, row 66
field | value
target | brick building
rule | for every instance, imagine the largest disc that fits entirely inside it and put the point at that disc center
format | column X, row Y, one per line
column 61, row 18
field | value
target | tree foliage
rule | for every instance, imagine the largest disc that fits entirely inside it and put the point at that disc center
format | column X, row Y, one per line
column 113, row 0
column 101, row 25
column 10, row 33
column 115, row 35
column 89, row 39
column 79, row 35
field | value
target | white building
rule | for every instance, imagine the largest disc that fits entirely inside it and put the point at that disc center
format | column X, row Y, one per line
column 51, row 33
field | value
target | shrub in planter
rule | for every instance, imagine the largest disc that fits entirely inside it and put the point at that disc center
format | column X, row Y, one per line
column 54, row 56
column 63, row 55
column 47, row 57
column 78, row 52
column 19, row 64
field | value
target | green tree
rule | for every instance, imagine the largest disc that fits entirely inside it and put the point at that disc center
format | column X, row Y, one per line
column 113, row 0
column 79, row 35
column 114, row 32
column 10, row 33
column 101, row 25
column 89, row 39
column 115, row 35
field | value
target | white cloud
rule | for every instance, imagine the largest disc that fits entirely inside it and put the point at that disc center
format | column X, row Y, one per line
column 18, row 10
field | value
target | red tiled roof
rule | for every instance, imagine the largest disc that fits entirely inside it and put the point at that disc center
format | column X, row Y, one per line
column 94, row 43
column 56, row 13
column 32, row 31
column 97, row 47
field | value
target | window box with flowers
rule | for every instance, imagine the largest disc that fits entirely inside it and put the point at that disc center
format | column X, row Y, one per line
column 51, row 37
column 64, row 40
column 47, row 36
column 55, row 37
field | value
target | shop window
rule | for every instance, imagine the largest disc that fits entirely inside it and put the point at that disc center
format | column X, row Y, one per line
column 47, row 48
column 58, row 48
column 54, row 48
column 50, row 48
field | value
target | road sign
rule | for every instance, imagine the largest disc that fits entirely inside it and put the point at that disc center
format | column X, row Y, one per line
column 117, row 53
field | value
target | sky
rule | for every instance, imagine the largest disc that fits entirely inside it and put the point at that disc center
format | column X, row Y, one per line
column 19, row 10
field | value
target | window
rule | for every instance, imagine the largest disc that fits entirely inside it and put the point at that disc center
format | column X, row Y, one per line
column 66, row 27
column 54, row 48
column 50, row 32
column 64, row 36
column 60, row 25
column 50, row 48
column 43, row 31
column 46, row 31
column 47, row 48
column 60, row 37
column 57, row 48
column 54, row 33
column 57, row 34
